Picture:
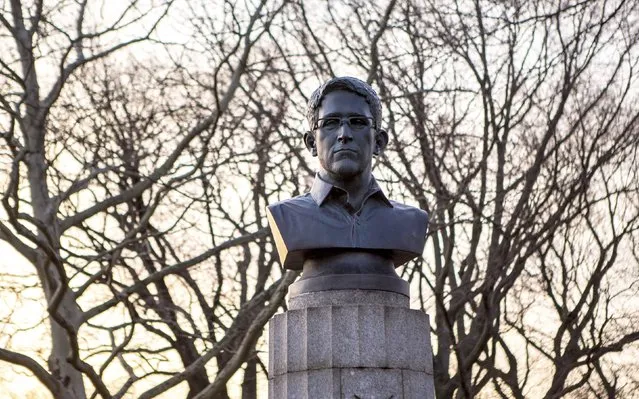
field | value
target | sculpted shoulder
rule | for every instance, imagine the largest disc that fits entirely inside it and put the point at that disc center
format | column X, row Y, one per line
column 287, row 219
column 304, row 201
column 299, row 225
column 409, row 211
column 290, row 215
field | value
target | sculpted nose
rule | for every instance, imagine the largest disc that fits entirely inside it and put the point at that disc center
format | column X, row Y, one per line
column 344, row 134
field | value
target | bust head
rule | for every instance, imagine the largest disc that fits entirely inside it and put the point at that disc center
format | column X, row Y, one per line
column 345, row 118
column 344, row 83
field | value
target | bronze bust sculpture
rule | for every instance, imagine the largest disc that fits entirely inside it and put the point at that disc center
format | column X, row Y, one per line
column 345, row 233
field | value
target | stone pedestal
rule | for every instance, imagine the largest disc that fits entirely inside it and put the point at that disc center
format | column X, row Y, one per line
column 350, row 343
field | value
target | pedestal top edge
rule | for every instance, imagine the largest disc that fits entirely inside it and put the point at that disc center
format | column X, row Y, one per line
column 348, row 297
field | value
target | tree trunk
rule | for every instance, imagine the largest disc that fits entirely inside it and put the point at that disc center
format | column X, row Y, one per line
column 61, row 350
column 249, row 384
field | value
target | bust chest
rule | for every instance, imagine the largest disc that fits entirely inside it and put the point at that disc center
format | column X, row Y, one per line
column 299, row 225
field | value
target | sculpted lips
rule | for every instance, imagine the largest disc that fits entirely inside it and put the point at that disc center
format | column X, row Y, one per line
column 344, row 150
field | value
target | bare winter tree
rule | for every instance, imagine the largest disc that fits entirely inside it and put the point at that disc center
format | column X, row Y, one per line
column 515, row 128
column 136, row 192
column 136, row 177
column 514, row 125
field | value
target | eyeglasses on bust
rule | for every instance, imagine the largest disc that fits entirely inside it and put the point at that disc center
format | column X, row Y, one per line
column 356, row 122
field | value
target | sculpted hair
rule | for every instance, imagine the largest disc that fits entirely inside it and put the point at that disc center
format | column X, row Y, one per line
column 346, row 83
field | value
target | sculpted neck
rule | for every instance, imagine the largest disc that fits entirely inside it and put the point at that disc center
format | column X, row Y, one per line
column 356, row 186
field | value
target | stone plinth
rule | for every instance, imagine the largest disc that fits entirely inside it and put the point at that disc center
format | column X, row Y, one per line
column 350, row 344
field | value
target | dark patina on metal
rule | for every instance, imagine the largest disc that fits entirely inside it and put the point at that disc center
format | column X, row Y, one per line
column 345, row 233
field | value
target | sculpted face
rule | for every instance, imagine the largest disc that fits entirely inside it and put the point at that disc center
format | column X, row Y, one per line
column 345, row 146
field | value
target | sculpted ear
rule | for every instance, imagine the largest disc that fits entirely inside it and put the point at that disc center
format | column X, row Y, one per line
column 309, row 140
column 381, row 139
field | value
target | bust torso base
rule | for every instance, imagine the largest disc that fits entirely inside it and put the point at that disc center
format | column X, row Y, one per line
column 333, row 269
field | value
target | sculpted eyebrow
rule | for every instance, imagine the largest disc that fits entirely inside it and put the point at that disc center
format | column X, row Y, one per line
column 338, row 114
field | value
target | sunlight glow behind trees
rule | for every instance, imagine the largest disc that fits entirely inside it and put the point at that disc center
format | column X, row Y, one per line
column 142, row 141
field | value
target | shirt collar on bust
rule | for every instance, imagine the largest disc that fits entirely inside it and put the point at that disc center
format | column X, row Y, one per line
column 321, row 189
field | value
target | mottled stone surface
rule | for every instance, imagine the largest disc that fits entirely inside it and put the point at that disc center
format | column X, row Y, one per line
column 369, row 383
column 277, row 346
column 348, row 297
column 417, row 385
column 353, row 383
column 350, row 344
column 350, row 336
column 350, row 282
column 316, row 384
